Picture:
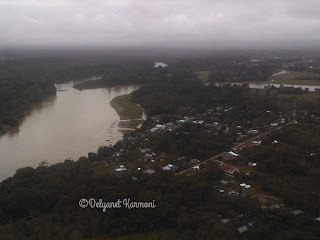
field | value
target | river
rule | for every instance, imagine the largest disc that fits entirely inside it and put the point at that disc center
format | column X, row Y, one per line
column 67, row 126
column 262, row 85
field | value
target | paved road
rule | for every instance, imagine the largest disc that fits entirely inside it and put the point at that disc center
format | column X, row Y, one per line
column 237, row 146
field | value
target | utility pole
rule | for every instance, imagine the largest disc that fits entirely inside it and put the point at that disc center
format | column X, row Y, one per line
column 294, row 112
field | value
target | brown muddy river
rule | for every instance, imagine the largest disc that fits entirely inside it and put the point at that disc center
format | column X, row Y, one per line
column 65, row 127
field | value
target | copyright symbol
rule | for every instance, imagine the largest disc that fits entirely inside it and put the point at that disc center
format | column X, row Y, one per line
column 83, row 203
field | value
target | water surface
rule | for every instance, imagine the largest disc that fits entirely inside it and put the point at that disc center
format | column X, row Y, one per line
column 64, row 127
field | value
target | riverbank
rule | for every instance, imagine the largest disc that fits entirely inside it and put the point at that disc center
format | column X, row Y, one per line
column 24, row 113
column 130, row 113
column 125, row 108
column 296, row 82
column 93, row 84
column 297, row 78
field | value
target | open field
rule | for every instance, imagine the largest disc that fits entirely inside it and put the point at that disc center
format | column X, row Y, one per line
column 298, row 78
column 125, row 108
column 203, row 75
column 109, row 169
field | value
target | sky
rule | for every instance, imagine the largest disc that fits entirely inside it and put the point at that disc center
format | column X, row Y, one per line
column 177, row 23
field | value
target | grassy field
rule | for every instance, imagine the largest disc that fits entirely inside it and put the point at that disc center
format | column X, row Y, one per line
column 203, row 75
column 129, row 124
column 125, row 108
column 106, row 169
column 298, row 78
column 164, row 235
column 109, row 169
column 310, row 100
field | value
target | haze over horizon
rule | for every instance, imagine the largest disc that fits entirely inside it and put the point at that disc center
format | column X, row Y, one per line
column 168, row 23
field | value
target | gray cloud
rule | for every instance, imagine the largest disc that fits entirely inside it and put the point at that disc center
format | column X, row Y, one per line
column 208, row 23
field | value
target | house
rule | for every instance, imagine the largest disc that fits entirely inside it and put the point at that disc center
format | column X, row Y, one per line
column 154, row 129
column 149, row 171
column 297, row 212
column 224, row 182
column 160, row 64
column 145, row 150
column 147, row 155
column 170, row 167
column 274, row 124
column 273, row 207
column 243, row 229
column 256, row 142
column 174, row 167
column 224, row 221
column 231, row 154
column 229, row 169
column 195, row 161
column 251, row 132
column 252, row 164
column 121, row 170
column 317, row 219
column 195, row 168
column 159, row 126
column 198, row 121
column 244, row 189
column 181, row 121
column 170, row 124
column 233, row 193
column 166, row 168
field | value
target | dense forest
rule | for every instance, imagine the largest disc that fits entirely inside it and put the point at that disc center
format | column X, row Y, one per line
column 19, row 92
column 244, row 71
column 42, row 203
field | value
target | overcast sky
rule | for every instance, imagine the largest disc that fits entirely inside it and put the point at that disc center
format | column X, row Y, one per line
column 205, row 23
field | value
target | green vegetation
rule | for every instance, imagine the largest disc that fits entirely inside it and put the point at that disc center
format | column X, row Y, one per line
column 191, row 205
column 42, row 203
column 177, row 95
column 129, row 124
column 135, row 74
column 290, row 168
column 92, row 84
column 241, row 70
column 299, row 78
column 156, row 235
column 126, row 108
